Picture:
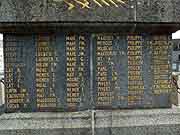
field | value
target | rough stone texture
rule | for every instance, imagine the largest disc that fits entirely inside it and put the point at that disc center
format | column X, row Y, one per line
column 144, row 130
column 83, row 131
column 121, row 122
column 47, row 10
column 176, row 10
column 155, row 10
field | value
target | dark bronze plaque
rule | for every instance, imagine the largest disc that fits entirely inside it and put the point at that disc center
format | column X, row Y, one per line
column 132, row 71
column 62, row 72
column 19, row 54
column 71, row 72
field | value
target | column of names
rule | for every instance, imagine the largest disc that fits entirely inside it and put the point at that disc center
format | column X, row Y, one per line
column 161, row 65
column 17, row 96
column 46, row 61
column 73, row 91
column 135, row 62
column 103, row 64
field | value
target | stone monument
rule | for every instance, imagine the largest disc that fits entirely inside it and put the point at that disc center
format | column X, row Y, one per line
column 73, row 66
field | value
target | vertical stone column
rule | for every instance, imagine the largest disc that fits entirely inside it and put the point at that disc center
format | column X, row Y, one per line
column 1, row 73
column 1, row 94
column 178, row 94
column 175, row 96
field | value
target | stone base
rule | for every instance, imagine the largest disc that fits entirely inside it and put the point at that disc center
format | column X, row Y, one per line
column 176, row 106
column 116, row 122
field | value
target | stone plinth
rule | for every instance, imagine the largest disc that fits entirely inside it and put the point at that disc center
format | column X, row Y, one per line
column 123, row 122
column 57, row 10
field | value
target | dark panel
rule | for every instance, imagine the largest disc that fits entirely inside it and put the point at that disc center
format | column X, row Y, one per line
column 19, row 57
column 110, row 76
column 161, row 69
column 46, row 63
column 132, row 71
column 135, row 70
column 77, row 71
column 52, row 72
column 62, row 72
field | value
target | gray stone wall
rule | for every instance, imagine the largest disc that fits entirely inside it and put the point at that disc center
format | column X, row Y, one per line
column 47, row 10
column 119, row 122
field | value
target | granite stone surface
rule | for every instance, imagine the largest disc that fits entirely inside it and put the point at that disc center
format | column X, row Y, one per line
column 121, row 122
column 51, row 10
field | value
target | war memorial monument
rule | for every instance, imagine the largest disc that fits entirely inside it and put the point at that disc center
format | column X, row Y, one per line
column 89, row 67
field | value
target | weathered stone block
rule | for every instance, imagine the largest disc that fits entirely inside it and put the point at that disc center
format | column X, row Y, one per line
column 119, row 122
column 50, row 11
